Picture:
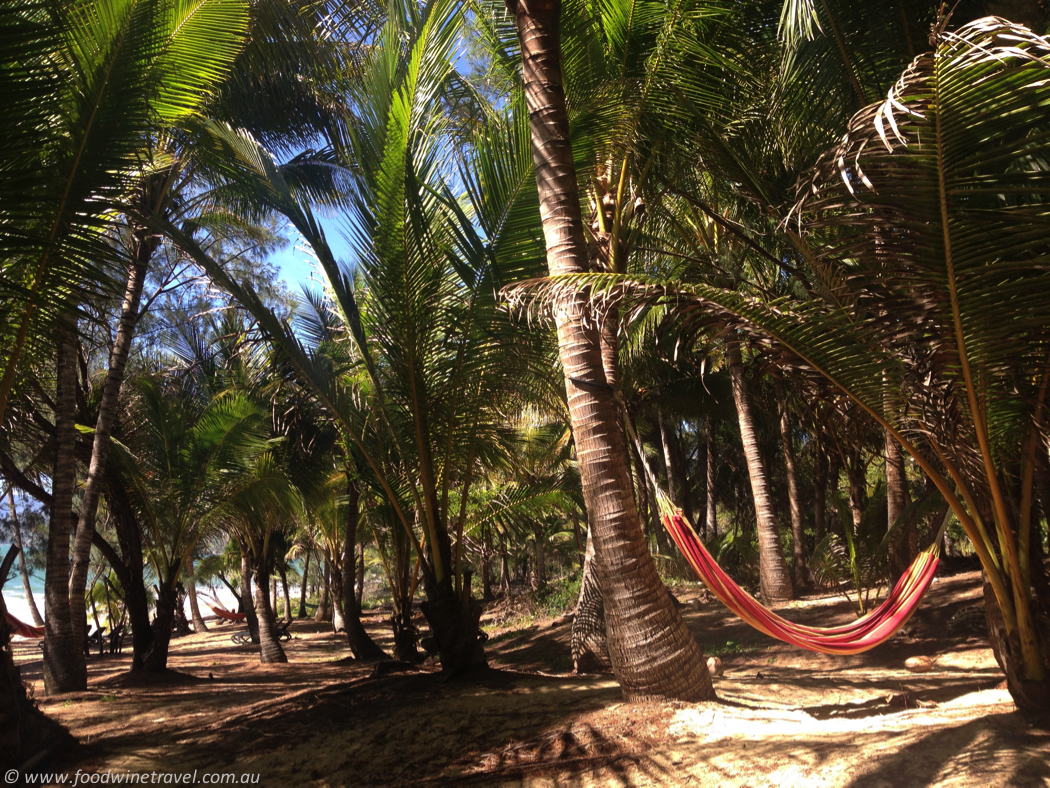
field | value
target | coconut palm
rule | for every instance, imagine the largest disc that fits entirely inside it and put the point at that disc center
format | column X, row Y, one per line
column 929, row 312
column 194, row 464
column 90, row 83
column 411, row 364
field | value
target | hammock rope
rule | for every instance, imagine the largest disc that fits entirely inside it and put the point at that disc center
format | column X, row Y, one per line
column 861, row 635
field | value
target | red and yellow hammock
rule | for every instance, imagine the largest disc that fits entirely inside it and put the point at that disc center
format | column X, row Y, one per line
column 21, row 628
column 226, row 615
column 863, row 634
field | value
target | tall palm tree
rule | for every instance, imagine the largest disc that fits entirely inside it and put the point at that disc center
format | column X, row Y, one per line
column 412, row 363
column 929, row 312
column 90, row 83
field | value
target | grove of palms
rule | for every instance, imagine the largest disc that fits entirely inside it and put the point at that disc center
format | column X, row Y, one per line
column 779, row 263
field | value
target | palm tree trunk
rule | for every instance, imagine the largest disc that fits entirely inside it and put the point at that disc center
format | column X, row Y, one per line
column 270, row 650
column 23, row 570
column 904, row 547
column 794, row 497
column 590, row 650
column 24, row 730
column 539, row 577
column 247, row 606
column 649, row 513
column 360, row 593
column 129, row 539
column 653, row 653
column 361, row 644
column 64, row 666
column 283, row 570
column 820, row 488
column 774, row 579
column 191, row 589
column 322, row 613
column 674, row 462
column 303, row 586
column 156, row 658
column 338, row 595
column 711, row 515
column 145, row 245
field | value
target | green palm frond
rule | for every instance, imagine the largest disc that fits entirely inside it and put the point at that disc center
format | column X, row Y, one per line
column 92, row 83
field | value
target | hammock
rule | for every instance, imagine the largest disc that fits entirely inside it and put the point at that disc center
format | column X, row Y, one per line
column 226, row 615
column 21, row 628
column 863, row 634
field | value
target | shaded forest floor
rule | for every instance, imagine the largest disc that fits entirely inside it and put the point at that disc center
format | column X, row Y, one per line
column 787, row 717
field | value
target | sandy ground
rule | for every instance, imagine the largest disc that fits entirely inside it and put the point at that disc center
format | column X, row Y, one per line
column 786, row 717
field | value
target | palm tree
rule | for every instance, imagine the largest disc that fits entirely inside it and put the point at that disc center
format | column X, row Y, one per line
column 928, row 316
column 411, row 363
column 672, row 666
column 194, row 465
column 91, row 82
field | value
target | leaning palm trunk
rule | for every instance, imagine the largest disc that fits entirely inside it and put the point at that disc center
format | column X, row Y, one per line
column 774, row 579
column 145, row 244
column 590, row 650
column 64, row 666
column 270, row 650
column 23, row 570
column 637, row 606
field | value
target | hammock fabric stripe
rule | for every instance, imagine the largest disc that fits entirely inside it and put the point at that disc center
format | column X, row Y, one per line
column 226, row 614
column 21, row 628
column 863, row 634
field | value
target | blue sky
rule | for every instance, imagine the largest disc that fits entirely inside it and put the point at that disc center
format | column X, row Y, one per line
column 295, row 262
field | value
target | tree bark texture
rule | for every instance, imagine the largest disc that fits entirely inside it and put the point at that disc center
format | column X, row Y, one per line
column 652, row 651
column 590, row 651
column 774, row 579
column 798, row 546
column 64, row 666
column 904, row 546
column 270, row 650
column 145, row 245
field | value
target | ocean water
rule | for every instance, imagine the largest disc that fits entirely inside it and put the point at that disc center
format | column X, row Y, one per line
column 17, row 606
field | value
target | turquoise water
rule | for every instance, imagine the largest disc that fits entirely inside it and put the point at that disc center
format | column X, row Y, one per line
column 14, row 595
